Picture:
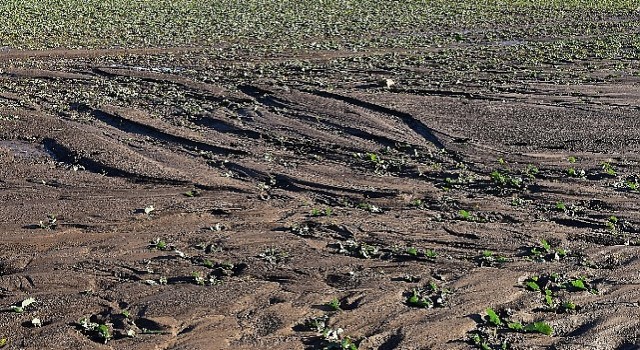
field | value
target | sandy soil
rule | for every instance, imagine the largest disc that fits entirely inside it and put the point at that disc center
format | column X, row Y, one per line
column 273, row 195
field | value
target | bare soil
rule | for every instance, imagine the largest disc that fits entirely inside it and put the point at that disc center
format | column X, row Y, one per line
column 240, row 160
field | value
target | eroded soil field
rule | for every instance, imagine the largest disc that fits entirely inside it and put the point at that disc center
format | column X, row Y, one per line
column 186, row 199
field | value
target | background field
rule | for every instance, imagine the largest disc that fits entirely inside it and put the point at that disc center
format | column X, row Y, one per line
column 260, row 174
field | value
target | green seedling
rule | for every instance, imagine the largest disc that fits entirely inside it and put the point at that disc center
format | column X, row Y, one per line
column 159, row 244
column 548, row 297
column 533, row 286
column 149, row 209
column 531, row 171
column 576, row 173
column 430, row 254
column 539, row 327
column 335, row 340
column 572, row 159
column 22, row 306
column 506, row 180
column 493, row 318
column 488, row 258
column 370, row 208
column 608, row 169
column 412, row 251
column 98, row 330
column 545, row 252
column 274, row 256
column 561, row 206
column 335, row 304
column 317, row 324
column 567, row 306
column 318, row 212
column 50, row 224
column 428, row 297
column 465, row 215
column 358, row 249
column 192, row 193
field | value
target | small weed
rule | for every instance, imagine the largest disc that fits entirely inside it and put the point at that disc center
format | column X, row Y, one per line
column 159, row 244
column 149, row 209
column 370, row 208
column 572, row 172
column 544, row 252
column 315, row 212
column 98, row 331
column 22, row 306
column 428, row 297
column 334, row 304
column 492, row 333
column 608, row 169
column 505, row 180
column 488, row 258
column 413, row 252
column 192, row 193
column 274, row 256
column 358, row 249
column 50, row 224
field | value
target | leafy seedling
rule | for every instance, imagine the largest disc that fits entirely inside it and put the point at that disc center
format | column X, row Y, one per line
column 493, row 318
column 191, row 194
column 318, row 212
column 539, row 327
column 545, row 252
column 488, row 258
column 22, row 306
column 334, row 339
column 50, row 224
column 608, row 169
column 274, row 256
column 335, row 304
column 159, row 244
column 99, row 331
column 428, row 297
column 358, row 249
column 370, row 208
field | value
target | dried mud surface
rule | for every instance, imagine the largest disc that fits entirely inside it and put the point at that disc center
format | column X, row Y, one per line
column 96, row 137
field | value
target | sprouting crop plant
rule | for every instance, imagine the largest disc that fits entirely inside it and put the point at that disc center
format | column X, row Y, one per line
column 429, row 296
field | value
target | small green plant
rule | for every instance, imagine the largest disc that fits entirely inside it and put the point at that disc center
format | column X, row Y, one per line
column 149, row 209
column 274, row 256
column 192, row 193
column 493, row 318
column 576, row 173
column 572, row 159
column 370, row 208
column 561, row 206
column 334, row 304
column 100, row 331
column 608, row 169
column 318, row 212
column 488, row 258
column 539, row 327
column 50, row 224
column 358, row 249
column 465, row 215
column 334, row 339
column 428, row 297
column 531, row 171
column 506, row 180
column 545, row 252
column 22, row 306
column 159, row 244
